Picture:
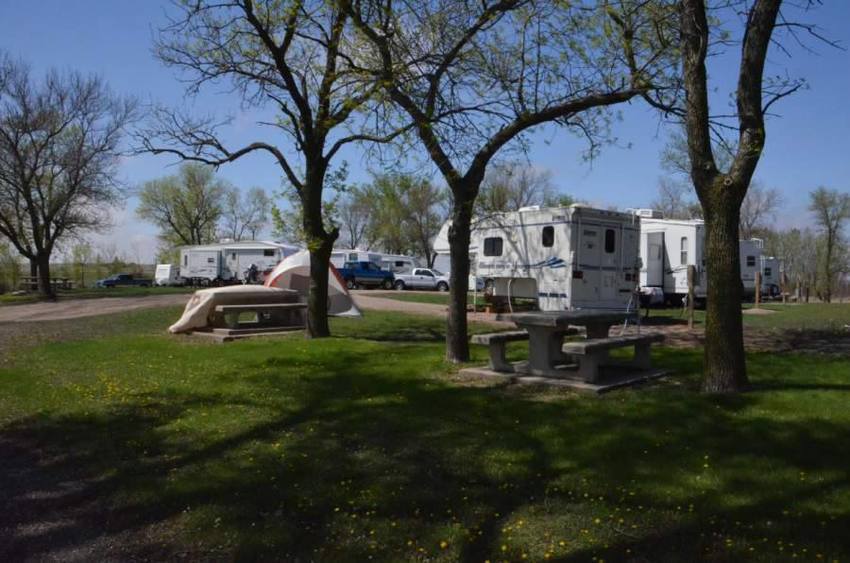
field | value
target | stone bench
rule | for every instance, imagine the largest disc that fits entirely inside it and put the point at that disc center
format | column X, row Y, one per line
column 497, row 342
column 592, row 353
column 268, row 314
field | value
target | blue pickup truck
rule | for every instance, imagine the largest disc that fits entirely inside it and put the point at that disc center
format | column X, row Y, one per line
column 366, row 274
column 123, row 280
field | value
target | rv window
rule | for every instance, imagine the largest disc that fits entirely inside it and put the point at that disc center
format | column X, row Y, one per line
column 268, row 252
column 683, row 258
column 353, row 256
column 768, row 272
column 233, row 256
column 185, row 259
column 210, row 260
column 751, row 261
column 548, row 236
column 493, row 246
column 610, row 241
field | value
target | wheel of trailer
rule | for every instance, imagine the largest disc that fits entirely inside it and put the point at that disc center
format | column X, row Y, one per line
column 388, row 284
column 442, row 286
column 399, row 285
column 350, row 284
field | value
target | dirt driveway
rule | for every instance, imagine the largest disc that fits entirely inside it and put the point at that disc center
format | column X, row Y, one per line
column 75, row 308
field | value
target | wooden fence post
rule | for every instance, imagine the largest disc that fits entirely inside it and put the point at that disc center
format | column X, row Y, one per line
column 758, row 289
column 692, row 271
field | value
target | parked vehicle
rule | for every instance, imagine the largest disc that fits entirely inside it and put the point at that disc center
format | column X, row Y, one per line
column 167, row 274
column 341, row 256
column 398, row 263
column 366, row 274
column 227, row 262
column 751, row 252
column 667, row 248
column 564, row 258
column 395, row 263
column 422, row 278
column 123, row 280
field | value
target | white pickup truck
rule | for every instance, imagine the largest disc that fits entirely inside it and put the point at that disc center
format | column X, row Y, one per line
column 422, row 278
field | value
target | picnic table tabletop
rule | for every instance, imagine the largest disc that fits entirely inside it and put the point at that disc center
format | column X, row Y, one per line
column 563, row 319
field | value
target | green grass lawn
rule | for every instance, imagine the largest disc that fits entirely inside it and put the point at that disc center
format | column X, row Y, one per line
column 94, row 293
column 367, row 445
column 818, row 316
column 437, row 298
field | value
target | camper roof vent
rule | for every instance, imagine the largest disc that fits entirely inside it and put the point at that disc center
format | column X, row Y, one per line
column 648, row 213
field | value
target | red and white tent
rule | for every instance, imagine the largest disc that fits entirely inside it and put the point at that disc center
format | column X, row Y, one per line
column 294, row 273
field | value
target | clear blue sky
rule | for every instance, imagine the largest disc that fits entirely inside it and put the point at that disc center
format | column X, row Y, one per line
column 807, row 145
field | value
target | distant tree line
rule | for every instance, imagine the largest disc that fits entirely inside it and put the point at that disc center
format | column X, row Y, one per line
column 194, row 207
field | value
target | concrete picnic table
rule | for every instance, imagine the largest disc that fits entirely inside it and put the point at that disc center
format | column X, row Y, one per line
column 546, row 331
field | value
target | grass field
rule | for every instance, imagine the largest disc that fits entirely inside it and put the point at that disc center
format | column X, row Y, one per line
column 818, row 316
column 436, row 298
column 367, row 445
column 94, row 293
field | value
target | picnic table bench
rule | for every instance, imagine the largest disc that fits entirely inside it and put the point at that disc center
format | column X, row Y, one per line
column 29, row 283
column 267, row 314
column 549, row 356
column 592, row 353
column 496, row 344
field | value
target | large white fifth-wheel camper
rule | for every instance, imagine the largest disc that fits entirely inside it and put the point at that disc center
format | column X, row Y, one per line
column 573, row 257
column 227, row 261
column 669, row 246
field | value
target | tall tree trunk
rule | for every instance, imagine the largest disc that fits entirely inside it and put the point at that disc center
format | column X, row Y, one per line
column 725, row 362
column 33, row 268
column 457, row 344
column 44, row 287
column 320, row 244
column 317, row 300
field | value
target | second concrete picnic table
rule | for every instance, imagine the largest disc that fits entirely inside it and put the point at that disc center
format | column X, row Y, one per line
column 547, row 329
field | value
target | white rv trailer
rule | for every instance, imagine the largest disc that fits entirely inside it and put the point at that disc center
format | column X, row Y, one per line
column 563, row 257
column 227, row 261
column 667, row 248
column 771, row 275
column 398, row 263
column 751, row 252
column 339, row 256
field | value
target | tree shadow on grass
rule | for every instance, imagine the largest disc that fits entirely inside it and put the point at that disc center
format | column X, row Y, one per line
column 351, row 462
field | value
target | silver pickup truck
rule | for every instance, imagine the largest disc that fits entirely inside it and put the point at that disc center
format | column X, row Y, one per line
column 422, row 278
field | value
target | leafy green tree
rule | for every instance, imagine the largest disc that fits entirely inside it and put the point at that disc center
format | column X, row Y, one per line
column 185, row 207
column 60, row 142
column 406, row 213
column 244, row 215
column 509, row 186
column 297, row 57
column 476, row 77
column 721, row 190
column 831, row 210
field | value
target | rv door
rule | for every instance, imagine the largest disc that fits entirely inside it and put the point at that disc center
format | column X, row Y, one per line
column 655, row 259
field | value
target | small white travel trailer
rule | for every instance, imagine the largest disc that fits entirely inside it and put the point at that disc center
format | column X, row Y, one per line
column 563, row 257
column 339, row 256
column 226, row 262
column 751, row 252
column 398, row 263
column 771, row 275
column 167, row 274
column 667, row 248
